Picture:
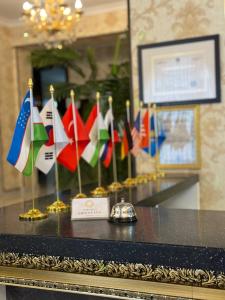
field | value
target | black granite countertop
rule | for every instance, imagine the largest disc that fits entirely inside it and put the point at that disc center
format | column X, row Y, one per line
column 173, row 238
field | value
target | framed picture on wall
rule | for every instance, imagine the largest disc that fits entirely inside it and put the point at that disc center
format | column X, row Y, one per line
column 181, row 147
column 180, row 72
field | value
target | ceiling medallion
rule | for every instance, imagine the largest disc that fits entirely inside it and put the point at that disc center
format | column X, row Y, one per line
column 53, row 21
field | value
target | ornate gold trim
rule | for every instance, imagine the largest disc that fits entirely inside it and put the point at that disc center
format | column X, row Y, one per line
column 95, row 285
column 192, row 277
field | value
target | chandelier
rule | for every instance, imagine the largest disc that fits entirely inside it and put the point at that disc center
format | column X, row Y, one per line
column 53, row 21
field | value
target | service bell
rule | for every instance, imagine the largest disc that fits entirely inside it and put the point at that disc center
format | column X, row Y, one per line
column 123, row 212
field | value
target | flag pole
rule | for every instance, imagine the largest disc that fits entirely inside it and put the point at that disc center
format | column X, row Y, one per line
column 149, row 128
column 58, row 205
column 129, row 181
column 156, row 140
column 99, row 191
column 99, row 161
column 115, row 186
column 34, row 213
column 30, row 84
column 157, row 170
column 151, row 176
column 129, row 154
column 80, row 194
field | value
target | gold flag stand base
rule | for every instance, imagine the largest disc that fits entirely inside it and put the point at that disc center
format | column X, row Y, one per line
column 99, row 192
column 33, row 214
column 140, row 179
column 129, row 182
column 58, row 206
column 152, row 176
column 115, row 186
column 80, row 196
column 161, row 174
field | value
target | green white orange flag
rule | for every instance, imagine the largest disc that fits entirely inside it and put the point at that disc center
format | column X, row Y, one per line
column 98, row 135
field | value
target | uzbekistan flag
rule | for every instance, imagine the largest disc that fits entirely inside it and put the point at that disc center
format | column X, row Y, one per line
column 20, row 153
column 96, row 128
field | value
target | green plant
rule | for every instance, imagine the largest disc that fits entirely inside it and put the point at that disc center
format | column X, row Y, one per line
column 67, row 57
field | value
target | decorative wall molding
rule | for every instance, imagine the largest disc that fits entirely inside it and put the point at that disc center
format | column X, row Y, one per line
column 81, row 289
column 182, row 276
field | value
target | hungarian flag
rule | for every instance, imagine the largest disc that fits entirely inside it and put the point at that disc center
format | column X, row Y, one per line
column 107, row 149
column 98, row 135
column 152, row 139
column 126, row 143
column 68, row 156
column 26, row 136
column 52, row 148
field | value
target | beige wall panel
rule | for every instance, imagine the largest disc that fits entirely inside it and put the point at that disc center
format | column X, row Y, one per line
column 162, row 20
column 8, row 107
column 90, row 25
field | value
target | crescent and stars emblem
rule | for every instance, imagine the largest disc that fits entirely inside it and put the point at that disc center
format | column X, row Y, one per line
column 70, row 132
column 70, row 125
column 27, row 100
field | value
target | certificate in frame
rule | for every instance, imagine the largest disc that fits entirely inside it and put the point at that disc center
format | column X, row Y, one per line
column 181, row 148
column 180, row 72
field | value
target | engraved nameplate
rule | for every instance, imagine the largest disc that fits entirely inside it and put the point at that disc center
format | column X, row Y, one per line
column 90, row 208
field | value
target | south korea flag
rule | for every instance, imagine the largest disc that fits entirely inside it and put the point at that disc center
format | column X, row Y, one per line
column 57, row 138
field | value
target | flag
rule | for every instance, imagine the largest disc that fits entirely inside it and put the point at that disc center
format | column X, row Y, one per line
column 136, row 135
column 145, row 131
column 21, row 155
column 46, row 156
column 68, row 156
column 153, row 138
column 96, row 129
column 107, row 149
column 126, row 143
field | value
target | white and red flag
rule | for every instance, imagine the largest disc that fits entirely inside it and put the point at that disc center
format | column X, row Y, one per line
column 68, row 157
column 52, row 148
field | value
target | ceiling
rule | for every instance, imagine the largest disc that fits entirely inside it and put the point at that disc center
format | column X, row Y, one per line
column 10, row 10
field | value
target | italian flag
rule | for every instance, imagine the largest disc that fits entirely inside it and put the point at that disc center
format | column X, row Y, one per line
column 39, row 138
column 98, row 135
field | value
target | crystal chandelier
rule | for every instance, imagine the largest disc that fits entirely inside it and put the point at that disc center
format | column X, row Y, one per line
column 53, row 21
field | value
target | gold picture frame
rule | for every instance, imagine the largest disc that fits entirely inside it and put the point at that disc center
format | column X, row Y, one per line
column 182, row 118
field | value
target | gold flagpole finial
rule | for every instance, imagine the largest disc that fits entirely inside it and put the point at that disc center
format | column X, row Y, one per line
column 128, row 103
column 30, row 83
column 72, row 93
column 110, row 99
column 97, row 96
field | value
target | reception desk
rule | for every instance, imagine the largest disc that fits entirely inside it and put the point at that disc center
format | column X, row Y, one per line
column 167, row 252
